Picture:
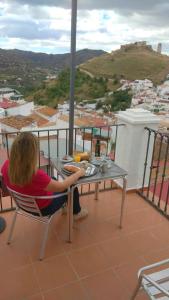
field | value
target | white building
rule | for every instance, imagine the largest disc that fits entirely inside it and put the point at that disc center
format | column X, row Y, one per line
column 22, row 108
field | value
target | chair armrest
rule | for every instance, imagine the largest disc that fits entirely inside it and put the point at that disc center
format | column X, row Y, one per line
column 154, row 283
column 160, row 263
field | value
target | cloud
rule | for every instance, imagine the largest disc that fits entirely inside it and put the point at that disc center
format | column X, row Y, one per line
column 100, row 24
column 120, row 5
column 29, row 30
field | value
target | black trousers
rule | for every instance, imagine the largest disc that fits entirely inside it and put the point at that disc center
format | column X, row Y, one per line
column 60, row 201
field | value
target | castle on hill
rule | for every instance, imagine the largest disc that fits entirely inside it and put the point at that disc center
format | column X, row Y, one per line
column 136, row 44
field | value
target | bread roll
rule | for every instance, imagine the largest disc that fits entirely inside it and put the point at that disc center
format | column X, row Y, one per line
column 71, row 168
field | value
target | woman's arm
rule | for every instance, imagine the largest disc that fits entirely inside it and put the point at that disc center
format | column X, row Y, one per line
column 60, row 186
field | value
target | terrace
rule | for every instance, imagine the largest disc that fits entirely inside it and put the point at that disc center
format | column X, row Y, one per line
column 102, row 261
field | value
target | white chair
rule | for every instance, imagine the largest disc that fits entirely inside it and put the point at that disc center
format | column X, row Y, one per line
column 155, row 284
column 26, row 205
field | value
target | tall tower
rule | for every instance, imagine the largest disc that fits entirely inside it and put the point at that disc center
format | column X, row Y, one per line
column 159, row 48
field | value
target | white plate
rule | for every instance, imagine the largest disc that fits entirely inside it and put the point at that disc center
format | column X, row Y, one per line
column 66, row 160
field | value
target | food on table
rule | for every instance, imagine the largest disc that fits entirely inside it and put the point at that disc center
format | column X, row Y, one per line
column 82, row 155
column 84, row 164
column 71, row 168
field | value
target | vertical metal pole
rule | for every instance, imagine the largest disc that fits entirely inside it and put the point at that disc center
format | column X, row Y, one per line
column 72, row 73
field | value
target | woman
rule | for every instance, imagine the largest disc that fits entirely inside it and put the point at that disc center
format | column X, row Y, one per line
column 21, row 174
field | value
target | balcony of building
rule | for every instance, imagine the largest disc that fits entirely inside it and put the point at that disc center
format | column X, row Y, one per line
column 103, row 260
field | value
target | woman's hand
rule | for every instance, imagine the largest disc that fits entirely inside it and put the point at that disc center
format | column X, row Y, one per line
column 81, row 172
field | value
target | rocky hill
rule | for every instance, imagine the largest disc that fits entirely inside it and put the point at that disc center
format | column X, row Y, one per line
column 130, row 62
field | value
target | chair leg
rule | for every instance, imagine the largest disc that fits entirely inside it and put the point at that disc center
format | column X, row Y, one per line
column 45, row 235
column 136, row 289
column 12, row 228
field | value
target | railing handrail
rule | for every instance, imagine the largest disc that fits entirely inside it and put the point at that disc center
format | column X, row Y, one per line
column 61, row 129
column 163, row 134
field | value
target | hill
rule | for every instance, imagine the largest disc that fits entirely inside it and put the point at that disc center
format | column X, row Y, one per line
column 57, row 91
column 130, row 62
column 25, row 69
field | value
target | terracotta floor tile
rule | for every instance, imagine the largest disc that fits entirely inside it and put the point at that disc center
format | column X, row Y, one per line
column 156, row 255
column 118, row 251
column 35, row 297
column 101, row 259
column 105, row 286
column 104, row 230
column 15, row 254
column 88, row 261
column 54, row 272
column 53, row 244
column 127, row 273
column 19, row 284
column 18, row 231
column 81, row 238
column 135, row 220
column 143, row 241
column 74, row 291
column 161, row 232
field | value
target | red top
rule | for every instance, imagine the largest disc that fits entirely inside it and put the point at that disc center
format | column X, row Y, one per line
column 40, row 180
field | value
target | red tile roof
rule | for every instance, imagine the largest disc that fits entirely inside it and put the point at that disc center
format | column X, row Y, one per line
column 47, row 111
column 17, row 122
column 5, row 103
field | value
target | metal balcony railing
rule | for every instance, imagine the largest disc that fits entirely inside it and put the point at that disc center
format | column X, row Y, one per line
column 53, row 143
column 156, row 192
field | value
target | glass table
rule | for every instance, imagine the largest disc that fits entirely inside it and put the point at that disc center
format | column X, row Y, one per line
column 113, row 172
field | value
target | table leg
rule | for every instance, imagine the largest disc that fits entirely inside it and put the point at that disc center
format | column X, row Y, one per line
column 70, row 214
column 122, row 200
column 2, row 224
column 96, row 190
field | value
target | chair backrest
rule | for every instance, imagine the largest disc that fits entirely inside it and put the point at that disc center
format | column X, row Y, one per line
column 154, row 279
column 28, row 203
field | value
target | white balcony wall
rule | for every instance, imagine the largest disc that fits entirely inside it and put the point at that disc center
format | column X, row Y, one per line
column 131, row 144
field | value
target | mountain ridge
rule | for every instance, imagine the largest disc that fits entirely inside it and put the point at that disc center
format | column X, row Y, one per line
column 27, row 69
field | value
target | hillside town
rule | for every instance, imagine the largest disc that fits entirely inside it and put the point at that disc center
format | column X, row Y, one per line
column 16, row 114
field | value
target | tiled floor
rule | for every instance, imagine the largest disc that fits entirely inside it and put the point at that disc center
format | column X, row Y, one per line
column 100, row 264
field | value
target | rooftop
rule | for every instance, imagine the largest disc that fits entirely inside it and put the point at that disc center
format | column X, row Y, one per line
column 47, row 111
column 6, row 103
column 101, row 263
column 39, row 120
column 85, row 121
column 18, row 121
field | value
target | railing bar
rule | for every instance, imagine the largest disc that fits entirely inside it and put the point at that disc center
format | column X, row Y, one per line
column 66, row 141
column 57, row 143
column 39, row 148
column 164, row 172
column 145, row 164
column 75, row 138
column 7, row 145
column 83, row 138
column 115, row 142
column 48, row 151
column 167, row 199
column 91, row 141
column 108, row 137
column 155, row 135
column 157, row 169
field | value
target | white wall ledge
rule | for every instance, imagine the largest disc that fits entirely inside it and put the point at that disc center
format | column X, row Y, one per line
column 138, row 116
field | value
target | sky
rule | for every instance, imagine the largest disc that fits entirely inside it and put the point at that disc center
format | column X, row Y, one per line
column 44, row 25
